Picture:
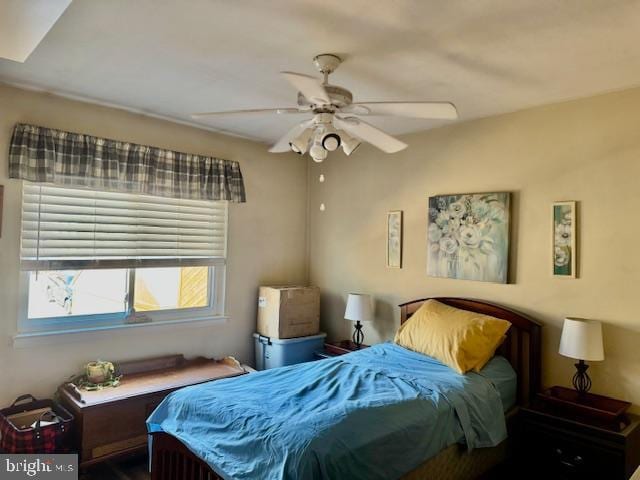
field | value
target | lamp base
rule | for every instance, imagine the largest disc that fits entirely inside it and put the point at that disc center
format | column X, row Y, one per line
column 358, row 336
column 581, row 380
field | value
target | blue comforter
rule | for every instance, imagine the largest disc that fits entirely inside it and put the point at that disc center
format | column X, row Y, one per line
column 372, row 414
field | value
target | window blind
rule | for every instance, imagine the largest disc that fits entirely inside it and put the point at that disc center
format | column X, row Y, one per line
column 68, row 228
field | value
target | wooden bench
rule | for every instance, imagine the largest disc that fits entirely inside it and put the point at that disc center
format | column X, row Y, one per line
column 110, row 423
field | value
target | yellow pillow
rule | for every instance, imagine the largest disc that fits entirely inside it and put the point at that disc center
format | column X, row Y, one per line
column 460, row 339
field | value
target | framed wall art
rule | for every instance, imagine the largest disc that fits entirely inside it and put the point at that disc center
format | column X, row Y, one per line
column 468, row 236
column 565, row 252
column 1, row 205
column 394, row 239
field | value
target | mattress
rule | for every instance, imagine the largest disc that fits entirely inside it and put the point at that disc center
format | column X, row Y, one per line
column 500, row 372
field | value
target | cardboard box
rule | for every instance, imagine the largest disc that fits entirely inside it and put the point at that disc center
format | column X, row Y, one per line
column 288, row 312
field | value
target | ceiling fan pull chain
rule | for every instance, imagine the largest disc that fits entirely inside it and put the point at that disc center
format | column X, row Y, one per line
column 321, row 180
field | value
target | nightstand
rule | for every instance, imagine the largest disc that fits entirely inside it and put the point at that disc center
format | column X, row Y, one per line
column 552, row 446
column 333, row 349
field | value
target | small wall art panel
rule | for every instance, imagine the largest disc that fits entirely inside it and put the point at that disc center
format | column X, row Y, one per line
column 564, row 239
column 394, row 239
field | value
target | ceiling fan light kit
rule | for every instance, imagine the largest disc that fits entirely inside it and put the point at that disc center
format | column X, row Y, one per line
column 330, row 140
column 300, row 144
column 318, row 152
column 349, row 144
column 336, row 119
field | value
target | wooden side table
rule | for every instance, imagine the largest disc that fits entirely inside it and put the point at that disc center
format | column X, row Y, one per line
column 552, row 445
column 334, row 349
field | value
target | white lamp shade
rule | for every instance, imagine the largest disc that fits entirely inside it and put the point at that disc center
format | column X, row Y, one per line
column 359, row 307
column 582, row 339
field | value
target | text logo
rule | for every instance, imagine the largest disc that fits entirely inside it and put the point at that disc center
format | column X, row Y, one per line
column 55, row 466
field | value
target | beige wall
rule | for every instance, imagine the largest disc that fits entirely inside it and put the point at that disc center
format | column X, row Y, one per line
column 587, row 150
column 267, row 243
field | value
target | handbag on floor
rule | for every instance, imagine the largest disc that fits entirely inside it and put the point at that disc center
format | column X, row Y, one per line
column 34, row 426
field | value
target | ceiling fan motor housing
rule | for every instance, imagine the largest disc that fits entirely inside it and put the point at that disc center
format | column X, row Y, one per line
column 340, row 97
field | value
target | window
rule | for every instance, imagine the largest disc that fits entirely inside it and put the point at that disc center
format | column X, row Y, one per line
column 170, row 288
column 95, row 258
column 59, row 293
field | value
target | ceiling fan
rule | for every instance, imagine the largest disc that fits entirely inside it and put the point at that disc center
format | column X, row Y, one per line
column 336, row 118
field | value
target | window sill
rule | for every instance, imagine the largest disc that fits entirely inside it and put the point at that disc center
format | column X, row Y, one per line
column 47, row 337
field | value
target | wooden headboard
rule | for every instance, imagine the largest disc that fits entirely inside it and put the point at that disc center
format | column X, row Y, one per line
column 521, row 347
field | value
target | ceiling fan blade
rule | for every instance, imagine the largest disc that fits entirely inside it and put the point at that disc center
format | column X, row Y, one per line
column 431, row 110
column 310, row 87
column 250, row 111
column 370, row 134
column 282, row 145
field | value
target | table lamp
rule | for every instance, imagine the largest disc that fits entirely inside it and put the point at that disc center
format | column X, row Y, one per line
column 582, row 340
column 359, row 309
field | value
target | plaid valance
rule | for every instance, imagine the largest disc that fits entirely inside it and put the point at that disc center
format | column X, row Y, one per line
column 46, row 155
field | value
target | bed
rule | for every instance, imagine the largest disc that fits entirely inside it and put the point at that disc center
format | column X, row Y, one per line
column 382, row 430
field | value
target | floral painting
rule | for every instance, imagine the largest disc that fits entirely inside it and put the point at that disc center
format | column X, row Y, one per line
column 394, row 239
column 564, row 239
column 468, row 237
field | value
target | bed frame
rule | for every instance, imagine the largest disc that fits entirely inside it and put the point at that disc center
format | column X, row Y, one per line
column 172, row 460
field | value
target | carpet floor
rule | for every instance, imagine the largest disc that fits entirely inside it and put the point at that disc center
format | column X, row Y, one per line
column 136, row 468
column 130, row 469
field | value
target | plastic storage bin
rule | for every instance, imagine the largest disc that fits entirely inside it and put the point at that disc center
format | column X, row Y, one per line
column 274, row 352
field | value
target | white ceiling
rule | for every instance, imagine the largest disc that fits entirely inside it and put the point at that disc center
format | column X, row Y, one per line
column 171, row 58
column 24, row 23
